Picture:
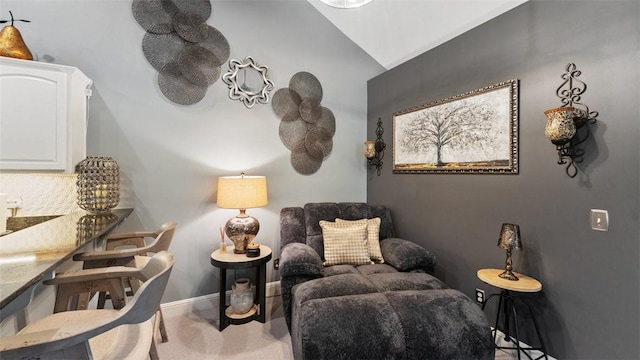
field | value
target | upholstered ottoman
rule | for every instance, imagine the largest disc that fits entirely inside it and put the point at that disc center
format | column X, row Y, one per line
column 388, row 315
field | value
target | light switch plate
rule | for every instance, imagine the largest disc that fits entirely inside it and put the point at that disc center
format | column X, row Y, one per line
column 599, row 220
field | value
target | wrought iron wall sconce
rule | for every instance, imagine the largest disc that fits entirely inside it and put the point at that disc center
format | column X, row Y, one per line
column 374, row 150
column 568, row 125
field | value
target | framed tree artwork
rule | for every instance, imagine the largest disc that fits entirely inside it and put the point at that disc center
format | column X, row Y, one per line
column 475, row 132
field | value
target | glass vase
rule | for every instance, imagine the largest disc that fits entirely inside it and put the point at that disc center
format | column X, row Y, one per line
column 241, row 296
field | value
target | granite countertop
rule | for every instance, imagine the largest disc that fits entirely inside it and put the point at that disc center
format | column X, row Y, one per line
column 26, row 256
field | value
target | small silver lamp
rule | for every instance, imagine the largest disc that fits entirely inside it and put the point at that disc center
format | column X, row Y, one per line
column 509, row 240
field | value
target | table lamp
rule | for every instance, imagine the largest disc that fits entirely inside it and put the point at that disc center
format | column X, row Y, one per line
column 509, row 240
column 242, row 192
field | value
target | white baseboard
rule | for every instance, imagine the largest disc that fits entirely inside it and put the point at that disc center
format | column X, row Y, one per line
column 500, row 341
column 206, row 302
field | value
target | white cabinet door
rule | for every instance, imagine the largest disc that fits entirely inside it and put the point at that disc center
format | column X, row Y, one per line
column 42, row 116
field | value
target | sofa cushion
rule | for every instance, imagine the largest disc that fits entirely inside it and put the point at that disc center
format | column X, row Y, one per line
column 374, row 269
column 333, row 286
column 373, row 237
column 398, row 281
column 404, row 255
column 341, row 269
column 345, row 243
column 314, row 212
column 445, row 324
column 347, row 327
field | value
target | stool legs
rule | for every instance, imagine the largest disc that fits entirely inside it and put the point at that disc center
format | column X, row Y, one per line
column 506, row 306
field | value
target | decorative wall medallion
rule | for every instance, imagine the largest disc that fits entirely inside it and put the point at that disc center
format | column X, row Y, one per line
column 248, row 82
column 179, row 44
column 306, row 127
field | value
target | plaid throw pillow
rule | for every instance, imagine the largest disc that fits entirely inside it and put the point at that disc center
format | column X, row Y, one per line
column 344, row 243
column 373, row 237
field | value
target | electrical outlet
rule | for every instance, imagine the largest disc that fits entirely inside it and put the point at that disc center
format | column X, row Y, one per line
column 276, row 264
column 480, row 296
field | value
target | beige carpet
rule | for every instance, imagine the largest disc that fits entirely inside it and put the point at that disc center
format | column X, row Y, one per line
column 196, row 337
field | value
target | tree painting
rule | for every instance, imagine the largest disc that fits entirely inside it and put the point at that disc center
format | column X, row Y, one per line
column 469, row 132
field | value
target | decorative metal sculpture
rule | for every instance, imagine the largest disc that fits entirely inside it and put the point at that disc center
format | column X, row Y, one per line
column 240, row 85
column 568, row 126
column 374, row 158
column 186, row 51
column 307, row 128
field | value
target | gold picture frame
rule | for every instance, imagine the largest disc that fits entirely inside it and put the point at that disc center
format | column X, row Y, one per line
column 472, row 133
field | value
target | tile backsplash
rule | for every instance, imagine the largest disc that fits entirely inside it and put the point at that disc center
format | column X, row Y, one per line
column 40, row 194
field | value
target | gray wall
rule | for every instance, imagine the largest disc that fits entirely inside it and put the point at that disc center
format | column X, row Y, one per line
column 590, row 300
column 170, row 155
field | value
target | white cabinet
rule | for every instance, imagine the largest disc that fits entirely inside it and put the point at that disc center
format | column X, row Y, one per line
column 43, row 115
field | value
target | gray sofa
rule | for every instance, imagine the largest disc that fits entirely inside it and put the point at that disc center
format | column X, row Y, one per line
column 393, row 310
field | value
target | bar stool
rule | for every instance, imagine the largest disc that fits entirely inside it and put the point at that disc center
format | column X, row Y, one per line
column 115, row 289
column 89, row 334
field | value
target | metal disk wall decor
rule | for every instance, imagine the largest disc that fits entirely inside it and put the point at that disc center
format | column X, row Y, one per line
column 186, row 51
column 306, row 127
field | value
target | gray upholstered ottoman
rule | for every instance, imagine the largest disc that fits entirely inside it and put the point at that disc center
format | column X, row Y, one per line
column 387, row 315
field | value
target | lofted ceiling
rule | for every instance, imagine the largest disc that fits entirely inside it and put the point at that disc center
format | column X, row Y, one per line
column 394, row 31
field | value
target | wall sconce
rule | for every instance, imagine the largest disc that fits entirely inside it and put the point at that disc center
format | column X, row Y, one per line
column 374, row 150
column 567, row 125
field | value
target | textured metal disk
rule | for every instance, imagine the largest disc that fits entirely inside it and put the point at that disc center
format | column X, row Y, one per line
column 154, row 15
column 217, row 44
column 318, row 142
column 285, row 103
column 292, row 132
column 302, row 162
column 327, row 121
column 292, row 116
column 200, row 7
column 177, row 88
column 310, row 110
column 161, row 49
column 191, row 27
column 306, row 85
column 199, row 65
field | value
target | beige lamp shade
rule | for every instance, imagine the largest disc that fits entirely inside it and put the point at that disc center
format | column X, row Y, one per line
column 242, row 192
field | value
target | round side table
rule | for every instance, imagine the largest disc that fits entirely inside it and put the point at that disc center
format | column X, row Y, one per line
column 506, row 305
column 229, row 260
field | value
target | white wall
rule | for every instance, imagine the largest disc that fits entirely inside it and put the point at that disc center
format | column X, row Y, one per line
column 170, row 155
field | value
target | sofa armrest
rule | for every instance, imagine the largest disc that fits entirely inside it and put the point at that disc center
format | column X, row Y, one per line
column 407, row 256
column 298, row 259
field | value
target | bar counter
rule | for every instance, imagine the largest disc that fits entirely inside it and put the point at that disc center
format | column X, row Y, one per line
column 28, row 255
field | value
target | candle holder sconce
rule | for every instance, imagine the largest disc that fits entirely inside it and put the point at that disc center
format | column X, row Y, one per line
column 568, row 125
column 374, row 150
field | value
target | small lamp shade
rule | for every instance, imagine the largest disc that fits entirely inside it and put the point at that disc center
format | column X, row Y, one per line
column 510, row 237
column 509, row 240
column 242, row 192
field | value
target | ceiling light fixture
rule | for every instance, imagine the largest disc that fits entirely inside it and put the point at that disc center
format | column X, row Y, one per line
column 345, row 4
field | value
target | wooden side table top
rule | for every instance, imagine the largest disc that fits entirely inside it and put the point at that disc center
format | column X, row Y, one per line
column 525, row 284
column 230, row 260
